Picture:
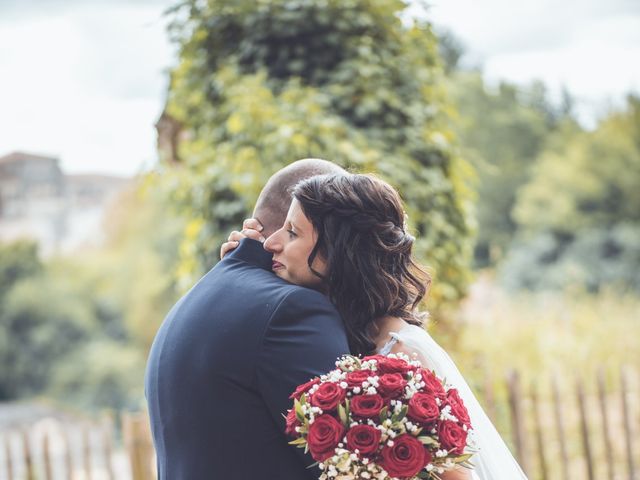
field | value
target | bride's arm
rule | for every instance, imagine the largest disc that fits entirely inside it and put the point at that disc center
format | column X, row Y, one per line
column 459, row 473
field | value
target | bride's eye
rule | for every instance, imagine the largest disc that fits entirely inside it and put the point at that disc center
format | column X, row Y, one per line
column 292, row 234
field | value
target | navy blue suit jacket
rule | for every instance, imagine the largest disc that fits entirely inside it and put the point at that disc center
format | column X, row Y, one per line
column 223, row 365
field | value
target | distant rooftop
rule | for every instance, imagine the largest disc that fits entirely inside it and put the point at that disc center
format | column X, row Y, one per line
column 21, row 156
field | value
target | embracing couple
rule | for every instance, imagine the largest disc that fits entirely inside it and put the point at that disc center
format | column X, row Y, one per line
column 324, row 268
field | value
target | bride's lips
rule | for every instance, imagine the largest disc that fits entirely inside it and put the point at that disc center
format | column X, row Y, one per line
column 276, row 266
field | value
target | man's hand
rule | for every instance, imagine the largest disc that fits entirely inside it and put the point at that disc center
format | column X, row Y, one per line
column 251, row 228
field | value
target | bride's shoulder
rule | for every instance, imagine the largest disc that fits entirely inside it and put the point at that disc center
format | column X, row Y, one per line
column 408, row 341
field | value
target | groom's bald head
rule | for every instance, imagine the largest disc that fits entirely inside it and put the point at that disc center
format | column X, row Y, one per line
column 275, row 198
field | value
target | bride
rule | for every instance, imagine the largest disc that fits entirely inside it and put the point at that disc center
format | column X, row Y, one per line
column 345, row 235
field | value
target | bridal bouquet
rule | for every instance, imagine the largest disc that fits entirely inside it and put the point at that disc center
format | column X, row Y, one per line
column 380, row 417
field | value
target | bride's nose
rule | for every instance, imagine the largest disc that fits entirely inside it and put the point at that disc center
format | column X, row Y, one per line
column 272, row 244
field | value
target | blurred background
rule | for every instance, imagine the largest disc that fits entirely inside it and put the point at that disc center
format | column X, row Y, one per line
column 136, row 135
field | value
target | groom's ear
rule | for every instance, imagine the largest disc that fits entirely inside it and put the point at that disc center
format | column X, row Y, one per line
column 270, row 220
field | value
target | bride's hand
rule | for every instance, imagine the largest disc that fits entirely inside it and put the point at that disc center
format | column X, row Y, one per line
column 251, row 228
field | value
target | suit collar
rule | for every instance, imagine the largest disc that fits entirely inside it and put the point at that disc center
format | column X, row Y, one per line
column 252, row 252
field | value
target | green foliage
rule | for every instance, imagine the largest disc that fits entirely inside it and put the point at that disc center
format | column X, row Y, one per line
column 261, row 84
column 502, row 131
column 595, row 258
column 101, row 373
column 586, row 179
column 18, row 260
column 79, row 327
column 136, row 268
column 579, row 216
column 43, row 317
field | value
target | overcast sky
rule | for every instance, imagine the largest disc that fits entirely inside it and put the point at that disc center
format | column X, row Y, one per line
column 85, row 80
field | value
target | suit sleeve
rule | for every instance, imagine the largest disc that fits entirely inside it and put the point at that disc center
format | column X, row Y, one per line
column 303, row 339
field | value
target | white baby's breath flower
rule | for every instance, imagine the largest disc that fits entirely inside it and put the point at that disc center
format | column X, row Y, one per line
column 445, row 414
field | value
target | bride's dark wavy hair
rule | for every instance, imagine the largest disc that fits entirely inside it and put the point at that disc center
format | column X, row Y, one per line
column 360, row 223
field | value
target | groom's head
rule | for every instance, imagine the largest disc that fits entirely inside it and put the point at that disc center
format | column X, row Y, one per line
column 275, row 198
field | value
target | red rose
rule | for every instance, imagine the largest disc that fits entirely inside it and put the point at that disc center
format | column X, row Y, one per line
column 452, row 437
column 324, row 435
column 391, row 385
column 366, row 406
column 458, row 408
column 355, row 379
column 304, row 388
column 292, row 422
column 406, row 458
column 328, row 396
column 433, row 385
column 373, row 357
column 393, row 365
column 423, row 409
column 365, row 438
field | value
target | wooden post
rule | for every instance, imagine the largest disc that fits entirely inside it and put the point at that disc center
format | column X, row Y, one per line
column 7, row 450
column 489, row 397
column 28, row 459
column 46, row 457
column 107, row 441
column 557, row 411
column 606, row 430
column 131, row 447
column 626, row 415
column 147, row 451
column 86, row 451
column 68, row 460
column 517, row 420
column 542, row 458
column 586, row 444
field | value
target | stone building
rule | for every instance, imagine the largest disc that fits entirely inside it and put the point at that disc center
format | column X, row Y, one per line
column 61, row 212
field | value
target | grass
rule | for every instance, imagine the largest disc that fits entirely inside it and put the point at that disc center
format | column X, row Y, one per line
column 569, row 335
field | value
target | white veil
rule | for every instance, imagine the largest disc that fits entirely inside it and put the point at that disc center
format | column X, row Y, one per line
column 493, row 461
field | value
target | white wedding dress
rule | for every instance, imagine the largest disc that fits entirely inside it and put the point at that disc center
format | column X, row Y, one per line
column 493, row 460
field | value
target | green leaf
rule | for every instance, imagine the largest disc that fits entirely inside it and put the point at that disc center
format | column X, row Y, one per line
column 426, row 440
column 462, row 458
column 299, row 414
column 342, row 413
column 397, row 417
column 383, row 414
column 299, row 442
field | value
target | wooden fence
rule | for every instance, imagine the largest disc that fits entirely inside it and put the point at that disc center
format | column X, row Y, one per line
column 570, row 428
column 51, row 450
column 559, row 429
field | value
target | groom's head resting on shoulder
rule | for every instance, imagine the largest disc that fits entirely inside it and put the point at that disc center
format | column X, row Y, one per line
column 275, row 198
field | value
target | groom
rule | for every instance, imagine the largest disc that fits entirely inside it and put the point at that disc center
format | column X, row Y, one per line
column 231, row 351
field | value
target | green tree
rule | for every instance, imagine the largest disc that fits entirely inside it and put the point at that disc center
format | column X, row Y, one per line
column 18, row 260
column 260, row 84
column 586, row 179
column 42, row 319
column 502, row 131
column 580, row 213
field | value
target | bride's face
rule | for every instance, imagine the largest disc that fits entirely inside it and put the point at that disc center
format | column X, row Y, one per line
column 291, row 246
